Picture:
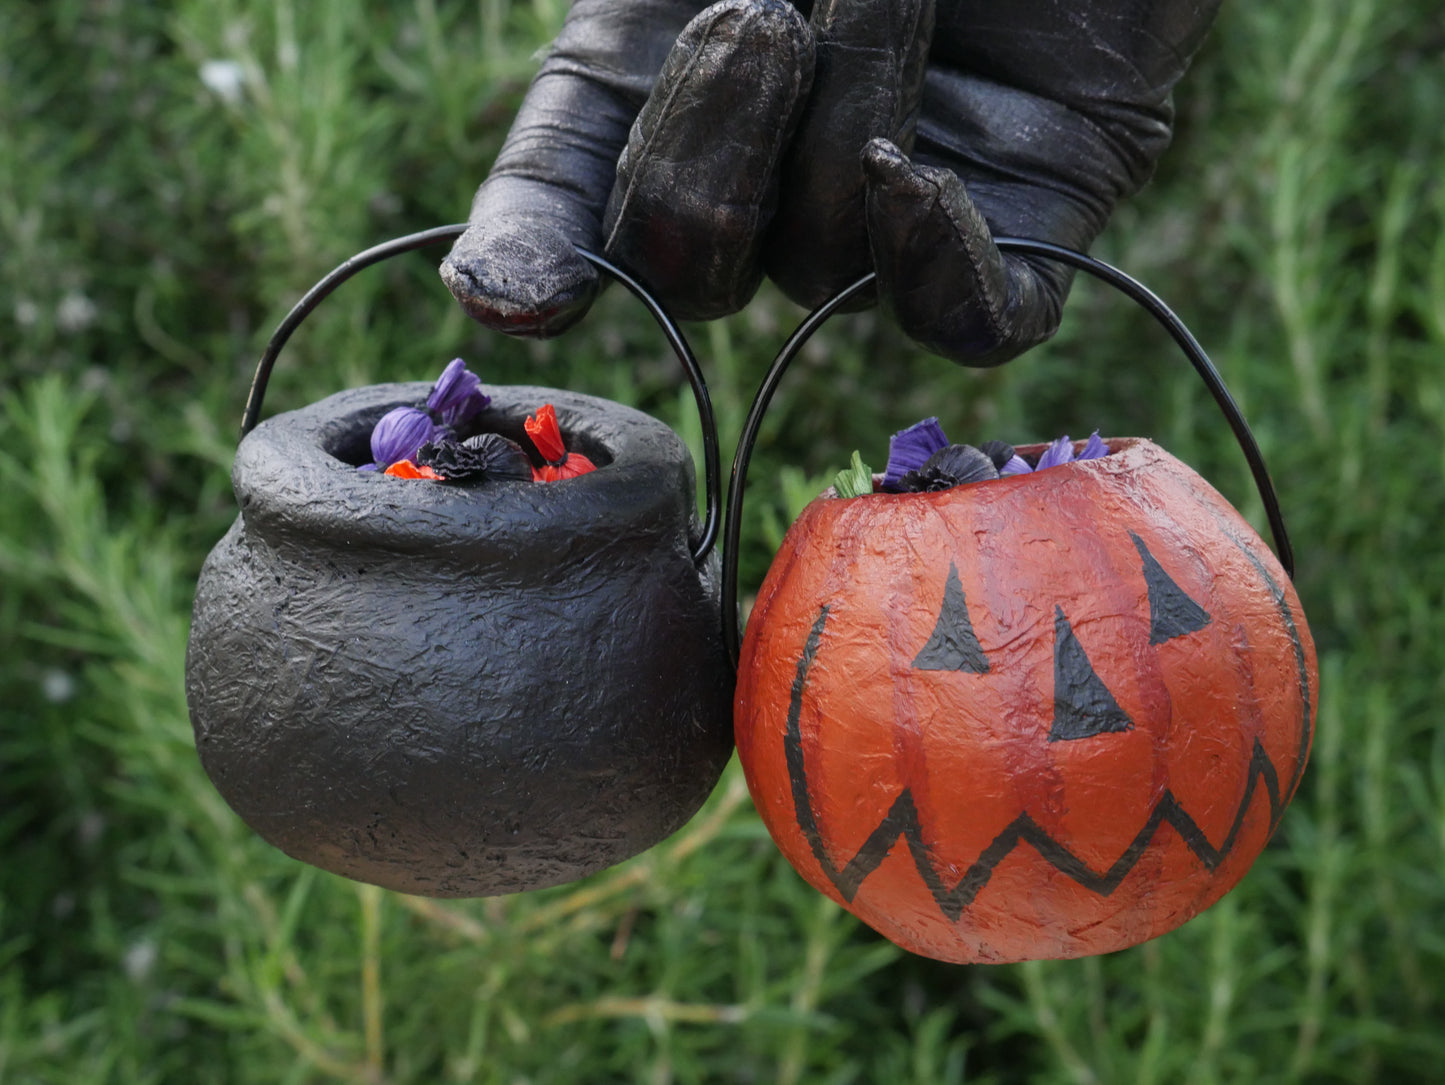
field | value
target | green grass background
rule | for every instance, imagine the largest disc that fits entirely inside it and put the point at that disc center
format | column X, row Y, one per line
column 152, row 232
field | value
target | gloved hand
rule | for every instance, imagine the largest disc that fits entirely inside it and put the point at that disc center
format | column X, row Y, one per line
column 701, row 152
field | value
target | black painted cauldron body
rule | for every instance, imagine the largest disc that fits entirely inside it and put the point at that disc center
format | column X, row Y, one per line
column 452, row 689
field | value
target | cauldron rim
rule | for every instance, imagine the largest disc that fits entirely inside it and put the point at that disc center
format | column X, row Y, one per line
column 290, row 484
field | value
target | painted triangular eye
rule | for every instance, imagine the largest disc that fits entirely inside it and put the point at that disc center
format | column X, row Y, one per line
column 1083, row 705
column 953, row 645
column 1171, row 612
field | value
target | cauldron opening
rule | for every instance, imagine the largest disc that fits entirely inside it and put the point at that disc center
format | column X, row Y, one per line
column 352, row 444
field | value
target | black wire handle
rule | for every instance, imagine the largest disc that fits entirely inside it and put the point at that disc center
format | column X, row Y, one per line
column 1131, row 287
column 712, row 471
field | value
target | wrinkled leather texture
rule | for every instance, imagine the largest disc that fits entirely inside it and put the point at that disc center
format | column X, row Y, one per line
column 704, row 149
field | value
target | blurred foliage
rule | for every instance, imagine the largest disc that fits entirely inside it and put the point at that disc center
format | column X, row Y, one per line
column 173, row 177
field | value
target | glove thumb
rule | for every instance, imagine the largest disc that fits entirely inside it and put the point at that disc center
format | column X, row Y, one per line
column 940, row 275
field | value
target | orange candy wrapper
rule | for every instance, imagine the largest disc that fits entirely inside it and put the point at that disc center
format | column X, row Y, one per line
column 546, row 437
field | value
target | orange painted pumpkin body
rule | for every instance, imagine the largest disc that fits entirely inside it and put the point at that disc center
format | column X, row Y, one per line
column 1045, row 716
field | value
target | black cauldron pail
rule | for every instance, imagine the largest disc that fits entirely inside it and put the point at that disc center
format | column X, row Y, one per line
column 462, row 690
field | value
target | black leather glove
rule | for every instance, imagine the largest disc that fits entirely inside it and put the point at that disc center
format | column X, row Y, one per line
column 877, row 134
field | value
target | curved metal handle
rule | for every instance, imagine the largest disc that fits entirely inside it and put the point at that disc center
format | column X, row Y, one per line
column 1129, row 286
column 712, row 471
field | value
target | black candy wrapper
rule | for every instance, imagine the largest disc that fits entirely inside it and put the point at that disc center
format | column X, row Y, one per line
column 485, row 456
column 949, row 467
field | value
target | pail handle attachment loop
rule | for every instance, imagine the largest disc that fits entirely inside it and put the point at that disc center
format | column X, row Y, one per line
column 712, row 472
column 1129, row 286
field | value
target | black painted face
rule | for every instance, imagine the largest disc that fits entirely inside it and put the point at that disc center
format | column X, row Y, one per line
column 1083, row 709
column 1083, row 705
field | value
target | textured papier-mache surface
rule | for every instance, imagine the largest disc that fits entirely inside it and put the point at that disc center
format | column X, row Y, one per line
column 454, row 689
column 1042, row 716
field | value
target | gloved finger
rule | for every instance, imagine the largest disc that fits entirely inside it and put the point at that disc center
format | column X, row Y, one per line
column 871, row 61
column 516, row 268
column 516, row 272
column 697, row 183
column 1044, row 118
column 940, row 275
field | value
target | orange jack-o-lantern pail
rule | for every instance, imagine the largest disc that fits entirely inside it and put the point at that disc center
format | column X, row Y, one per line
column 1039, row 716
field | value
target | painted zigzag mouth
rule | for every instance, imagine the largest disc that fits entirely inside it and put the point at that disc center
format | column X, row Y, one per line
column 903, row 820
